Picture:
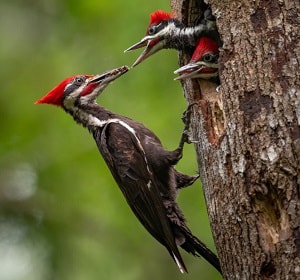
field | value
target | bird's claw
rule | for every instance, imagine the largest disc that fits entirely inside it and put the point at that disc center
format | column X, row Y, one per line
column 186, row 118
column 187, row 137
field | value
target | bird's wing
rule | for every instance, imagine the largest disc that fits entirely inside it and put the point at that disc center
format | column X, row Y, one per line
column 126, row 158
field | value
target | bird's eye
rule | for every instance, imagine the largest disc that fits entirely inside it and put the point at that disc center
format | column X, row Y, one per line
column 152, row 30
column 79, row 80
column 209, row 57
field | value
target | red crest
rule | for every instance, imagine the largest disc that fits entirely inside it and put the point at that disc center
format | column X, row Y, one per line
column 55, row 95
column 205, row 45
column 158, row 16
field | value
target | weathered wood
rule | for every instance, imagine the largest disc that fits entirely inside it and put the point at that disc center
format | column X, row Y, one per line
column 248, row 136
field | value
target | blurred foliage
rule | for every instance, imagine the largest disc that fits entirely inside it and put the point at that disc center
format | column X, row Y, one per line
column 62, row 215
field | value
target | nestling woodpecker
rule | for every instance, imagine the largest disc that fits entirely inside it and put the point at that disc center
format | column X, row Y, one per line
column 140, row 165
column 204, row 61
column 167, row 32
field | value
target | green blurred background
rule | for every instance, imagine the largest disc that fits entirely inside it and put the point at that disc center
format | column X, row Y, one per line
column 61, row 214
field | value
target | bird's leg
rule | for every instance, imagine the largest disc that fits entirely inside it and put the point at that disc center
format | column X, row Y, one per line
column 185, row 136
column 186, row 118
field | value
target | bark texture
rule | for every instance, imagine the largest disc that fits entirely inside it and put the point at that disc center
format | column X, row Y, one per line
column 249, row 136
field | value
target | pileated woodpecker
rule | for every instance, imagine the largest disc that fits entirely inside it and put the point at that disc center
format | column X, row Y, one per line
column 167, row 32
column 204, row 61
column 142, row 168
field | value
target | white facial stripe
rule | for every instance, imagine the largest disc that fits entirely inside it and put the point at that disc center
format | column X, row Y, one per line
column 170, row 29
column 67, row 86
column 70, row 98
column 76, row 92
column 93, row 95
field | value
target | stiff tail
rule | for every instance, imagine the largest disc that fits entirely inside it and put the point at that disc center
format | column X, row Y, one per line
column 195, row 247
column 184, row 237
column 179, row 263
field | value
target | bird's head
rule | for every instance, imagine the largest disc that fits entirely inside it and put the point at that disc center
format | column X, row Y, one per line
column 154, row 39
column 80, row 88
column 204, row 61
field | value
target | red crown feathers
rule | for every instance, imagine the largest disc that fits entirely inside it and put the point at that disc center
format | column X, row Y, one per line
column 55, row 95
column 158, row 16
column 205, row 45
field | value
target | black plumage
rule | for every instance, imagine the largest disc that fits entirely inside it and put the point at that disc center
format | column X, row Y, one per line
column 142, row 168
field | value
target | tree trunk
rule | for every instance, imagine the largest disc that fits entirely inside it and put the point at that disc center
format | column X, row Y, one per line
column 248, row 136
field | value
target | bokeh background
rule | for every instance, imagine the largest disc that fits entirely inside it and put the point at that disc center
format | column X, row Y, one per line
column 61, row 214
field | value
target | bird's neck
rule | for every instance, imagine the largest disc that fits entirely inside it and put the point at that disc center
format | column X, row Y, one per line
column 91, row 116
column 184, row 38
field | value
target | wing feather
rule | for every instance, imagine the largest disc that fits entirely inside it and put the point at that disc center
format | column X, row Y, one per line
column 127, row 161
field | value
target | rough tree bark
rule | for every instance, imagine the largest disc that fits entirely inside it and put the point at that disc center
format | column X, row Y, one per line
column 249, row 136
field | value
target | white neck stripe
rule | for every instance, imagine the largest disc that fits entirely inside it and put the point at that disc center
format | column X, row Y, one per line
column 90, row 121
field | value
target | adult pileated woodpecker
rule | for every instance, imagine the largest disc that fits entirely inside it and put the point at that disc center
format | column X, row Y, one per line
column 141, row 167
column 167, row 32
column 204, row 61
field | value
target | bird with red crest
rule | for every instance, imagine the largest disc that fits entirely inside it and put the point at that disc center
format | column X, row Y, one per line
column 204, row 61
column 165, row 31
column 144, row 171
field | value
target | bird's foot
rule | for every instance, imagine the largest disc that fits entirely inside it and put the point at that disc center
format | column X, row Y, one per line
column 186, row 134
column 187, row 137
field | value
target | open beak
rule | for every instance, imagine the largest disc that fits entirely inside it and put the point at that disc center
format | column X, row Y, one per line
column 198, row 69
column 153, row 45
column 109, row 76
column 140, row 44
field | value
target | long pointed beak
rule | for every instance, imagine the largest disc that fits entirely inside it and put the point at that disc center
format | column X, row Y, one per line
column 152, row 43
column 151, row 48
column 188, row 67
column 195, row 70
column 140, row 44
column 109, row 76
column 143, row 43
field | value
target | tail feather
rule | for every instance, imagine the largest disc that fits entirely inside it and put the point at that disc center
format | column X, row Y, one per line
column 195, row 247
column 184, row 237
column 175, row 254
column 180, row 264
